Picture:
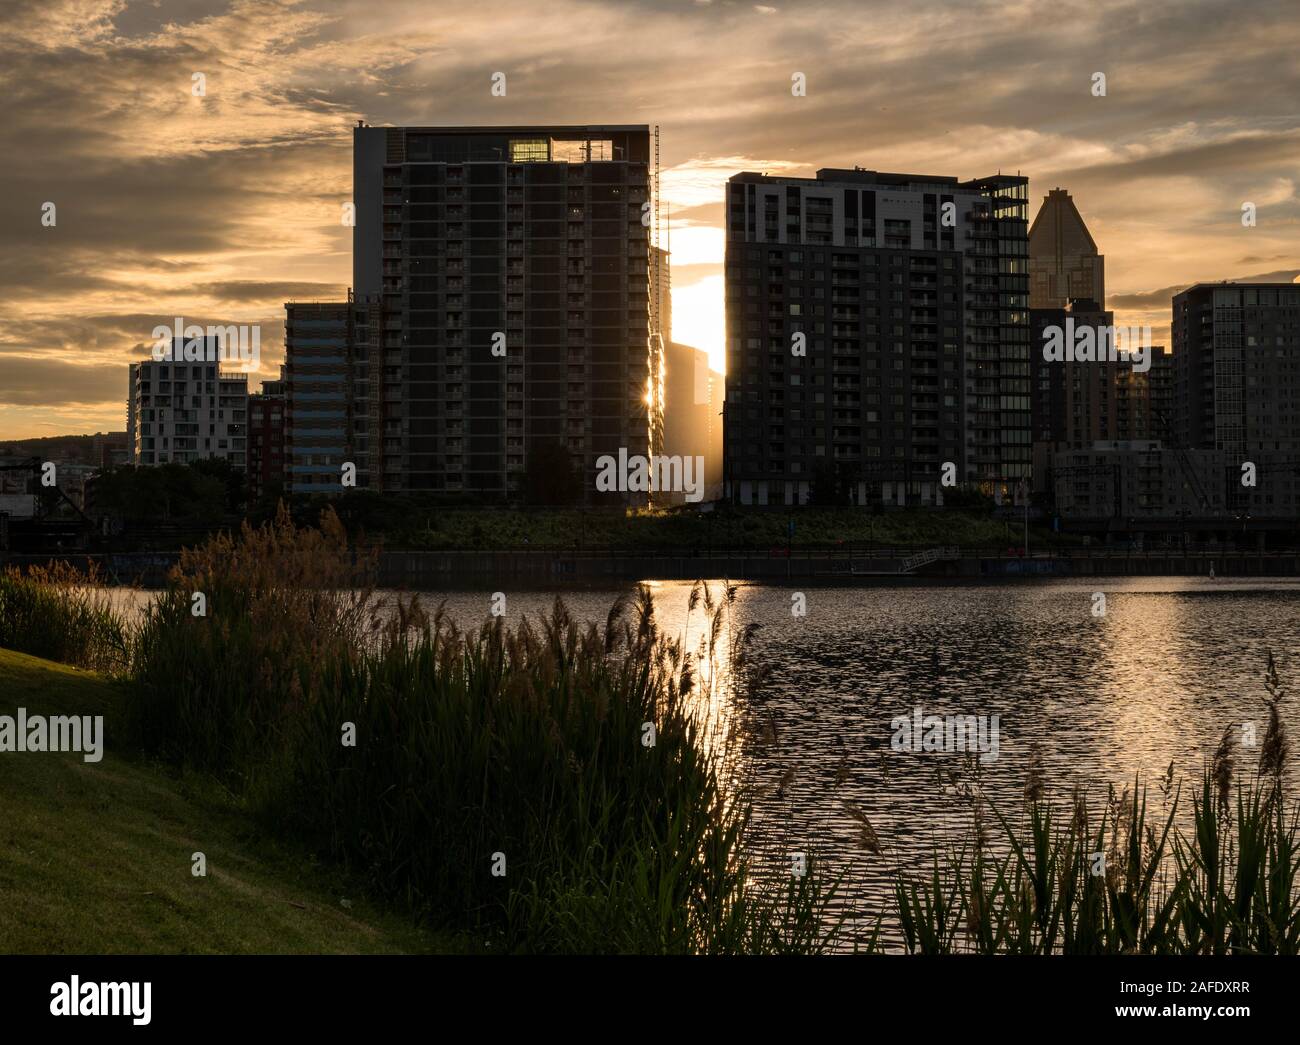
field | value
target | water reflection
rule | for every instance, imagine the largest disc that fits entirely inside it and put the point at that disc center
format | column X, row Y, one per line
column 1100, row 698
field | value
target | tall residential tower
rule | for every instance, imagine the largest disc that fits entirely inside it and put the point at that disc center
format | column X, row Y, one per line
column 877, row 329
column 507, row 275
column 1237, row 367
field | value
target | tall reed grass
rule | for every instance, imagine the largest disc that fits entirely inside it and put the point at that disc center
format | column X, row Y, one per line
column 60, row 613
column 525, row 750
column 1123, row 879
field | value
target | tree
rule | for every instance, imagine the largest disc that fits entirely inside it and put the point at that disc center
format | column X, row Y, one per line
column 233, row 479
column 163, row 492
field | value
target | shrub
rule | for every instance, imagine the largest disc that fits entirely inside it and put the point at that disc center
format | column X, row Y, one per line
column 59, row 613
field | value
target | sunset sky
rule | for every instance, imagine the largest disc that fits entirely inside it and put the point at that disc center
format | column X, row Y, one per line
column 220, row 208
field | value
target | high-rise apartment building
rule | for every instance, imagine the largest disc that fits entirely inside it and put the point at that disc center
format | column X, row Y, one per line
column 877, row 328
column 506, row 272
column 1237, row 367
column 331, row 416
column 686, row 409
column 1063, row 260
column 181, row 410
column 714, row 455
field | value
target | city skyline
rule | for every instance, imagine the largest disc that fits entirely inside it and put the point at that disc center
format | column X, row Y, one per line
column 220, row 208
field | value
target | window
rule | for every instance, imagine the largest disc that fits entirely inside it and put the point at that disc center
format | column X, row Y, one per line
column 529, row 150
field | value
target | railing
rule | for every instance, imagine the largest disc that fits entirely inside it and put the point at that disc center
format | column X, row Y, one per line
column 915, row 562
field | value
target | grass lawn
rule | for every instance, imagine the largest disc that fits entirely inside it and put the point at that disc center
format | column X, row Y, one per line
column 96, row 857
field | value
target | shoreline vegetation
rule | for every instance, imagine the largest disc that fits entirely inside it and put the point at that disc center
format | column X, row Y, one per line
column 681, row 530
column 174, row 505
column 555, row 787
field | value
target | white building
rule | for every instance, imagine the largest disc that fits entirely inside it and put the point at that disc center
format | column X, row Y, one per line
column 185, row 410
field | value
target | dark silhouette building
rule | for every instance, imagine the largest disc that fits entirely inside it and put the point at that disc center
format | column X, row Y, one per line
column 1064, row 263
column 877, row 329
column 328, row 411
column 266, row 442
column 508, row 276
column 1237, row 367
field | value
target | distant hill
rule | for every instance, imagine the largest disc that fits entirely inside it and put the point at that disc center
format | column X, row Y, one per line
column 53, row 447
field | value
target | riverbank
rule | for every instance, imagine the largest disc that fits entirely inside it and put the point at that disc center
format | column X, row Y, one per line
column 541, row 788
column 96, row 858
column 599, row 778
column 412, row 570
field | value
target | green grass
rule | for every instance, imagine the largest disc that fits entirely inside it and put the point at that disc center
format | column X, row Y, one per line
column 95, row 857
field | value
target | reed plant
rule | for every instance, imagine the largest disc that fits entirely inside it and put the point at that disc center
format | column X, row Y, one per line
column 550, row 786
column 61, row 613
column 248, row 628
column 1124, row 878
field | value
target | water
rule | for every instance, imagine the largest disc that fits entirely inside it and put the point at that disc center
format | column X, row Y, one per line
column 1154, row 681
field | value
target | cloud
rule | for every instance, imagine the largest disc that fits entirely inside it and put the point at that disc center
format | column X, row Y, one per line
column 223, row 206
column 35, row 382
column 245, row 290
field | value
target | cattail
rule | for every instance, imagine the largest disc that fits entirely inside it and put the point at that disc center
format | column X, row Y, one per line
column 867, row 837
column 1273, row 752
column 975, row 915
column 842, row 772
column 1221, row 766
column 1167, row 781
column 1079, row 814
column 1034, row 784
column 769, row 733
column 646, row 629
column 980, row 827
column 612, row 621
column 1152, row 846
column 869, row 840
